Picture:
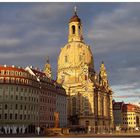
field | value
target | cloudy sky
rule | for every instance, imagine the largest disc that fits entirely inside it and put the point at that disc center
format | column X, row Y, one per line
column 29, row 32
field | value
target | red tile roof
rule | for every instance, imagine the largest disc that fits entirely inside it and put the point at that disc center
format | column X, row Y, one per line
column 129, row 108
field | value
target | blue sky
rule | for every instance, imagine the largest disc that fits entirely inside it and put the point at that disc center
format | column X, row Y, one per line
column 29, row 32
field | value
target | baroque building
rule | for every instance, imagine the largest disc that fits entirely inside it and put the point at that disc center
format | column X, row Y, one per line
column 89, row 94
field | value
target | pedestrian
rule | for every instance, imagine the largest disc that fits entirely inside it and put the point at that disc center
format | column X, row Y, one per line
column 38, row 130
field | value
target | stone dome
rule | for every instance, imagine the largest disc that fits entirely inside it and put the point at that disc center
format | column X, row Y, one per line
column 74, row 54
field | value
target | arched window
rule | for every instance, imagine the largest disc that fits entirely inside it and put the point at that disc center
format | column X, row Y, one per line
column 79, row 30
column 73, row 29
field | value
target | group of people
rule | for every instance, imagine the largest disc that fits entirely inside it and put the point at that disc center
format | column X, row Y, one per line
column 13, row 130
column 22, row 130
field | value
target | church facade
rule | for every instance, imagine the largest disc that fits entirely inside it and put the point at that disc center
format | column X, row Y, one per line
column 89, row 96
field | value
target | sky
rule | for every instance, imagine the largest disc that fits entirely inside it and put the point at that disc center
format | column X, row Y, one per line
column 29, row 32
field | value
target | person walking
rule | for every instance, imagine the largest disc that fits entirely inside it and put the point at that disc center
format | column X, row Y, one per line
column 38, row 130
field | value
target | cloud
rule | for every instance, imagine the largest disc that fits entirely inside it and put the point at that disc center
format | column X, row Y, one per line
column 115, row 35
column 35, row 31
column 9, row 42
column 117, row 29
column 127, row 86
column 129, row 92
column 51, row 11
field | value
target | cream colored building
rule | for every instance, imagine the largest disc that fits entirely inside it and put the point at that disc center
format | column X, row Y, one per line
column 19, row 100
column 130, row 116
column 89, row 94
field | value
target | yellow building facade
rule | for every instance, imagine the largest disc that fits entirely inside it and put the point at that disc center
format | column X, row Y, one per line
column 89, row 95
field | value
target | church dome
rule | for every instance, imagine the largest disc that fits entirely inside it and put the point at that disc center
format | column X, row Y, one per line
column 75, row 18
column 75, row 54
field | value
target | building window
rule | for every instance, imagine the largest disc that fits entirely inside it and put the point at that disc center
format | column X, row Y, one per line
column 7, row 79
column 12, row 97
column 5, row 116
column 20, row 73
column 11, row 107
column 2, row 72
column 25, row 107
column 1, row 88
column 16, row 97
column 15, row 116
column 21, row 89
column 20, row 117
column 0, row 116
column 0, row 106
column 73, row 29
column 24, row 116
column 10, row 116
column 16, row 107
column 6, row 88
column 12, row 88
column 1, row 79
column 16, row 73
column 66, row 59
column 12, row 80
column 21, row 107
column 16, row 89
column 7, row 72
column 25, row 89
column 21, row 97
column 17, row 80
column 6, row 106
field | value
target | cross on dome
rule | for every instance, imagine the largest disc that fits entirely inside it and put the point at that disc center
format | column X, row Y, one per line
column 75, row 10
